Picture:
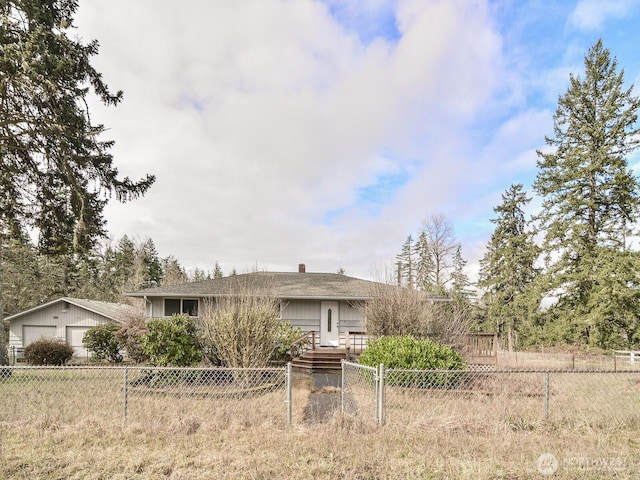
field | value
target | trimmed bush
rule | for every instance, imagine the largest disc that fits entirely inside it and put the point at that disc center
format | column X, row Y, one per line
column 103, row 342
column 287, row 333
column 131, row 337
column 48, row 351
column 408, row 353
column 172, row 342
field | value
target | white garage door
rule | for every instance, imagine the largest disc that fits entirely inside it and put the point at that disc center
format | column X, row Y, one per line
column 74, row 338
column 31, row 333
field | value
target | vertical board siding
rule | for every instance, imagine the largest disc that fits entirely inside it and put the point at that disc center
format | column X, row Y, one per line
column 57, row 316
column 303, row 314
column 350, row 318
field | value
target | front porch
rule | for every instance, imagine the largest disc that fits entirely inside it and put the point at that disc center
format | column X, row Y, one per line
column 308, row 355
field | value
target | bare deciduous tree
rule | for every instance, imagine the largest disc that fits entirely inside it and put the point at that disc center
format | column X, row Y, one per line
column 396, row 310
column 437, row 244
column 242, row 327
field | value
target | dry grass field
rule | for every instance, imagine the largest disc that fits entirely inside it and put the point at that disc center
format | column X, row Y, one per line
column 430, row 448
column 74, row 429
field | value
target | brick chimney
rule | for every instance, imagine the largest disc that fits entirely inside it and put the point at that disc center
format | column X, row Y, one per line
column 301, row 268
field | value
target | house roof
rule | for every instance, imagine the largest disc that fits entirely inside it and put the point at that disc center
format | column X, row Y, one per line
column 112, row 311
column 280, row 284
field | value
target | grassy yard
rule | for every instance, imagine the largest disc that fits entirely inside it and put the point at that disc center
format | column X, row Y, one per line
column 183, row 448
column 74, row 429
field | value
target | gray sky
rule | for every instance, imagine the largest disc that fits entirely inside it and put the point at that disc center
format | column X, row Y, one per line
column 324, row 132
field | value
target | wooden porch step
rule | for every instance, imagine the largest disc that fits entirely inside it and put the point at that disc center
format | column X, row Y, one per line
column 321, row 359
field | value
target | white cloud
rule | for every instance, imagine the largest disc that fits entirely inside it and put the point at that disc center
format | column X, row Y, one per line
column 592, row 14
column 264, row 119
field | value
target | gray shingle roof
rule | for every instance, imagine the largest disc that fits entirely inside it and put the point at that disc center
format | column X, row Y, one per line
column 113, row 311
column 280, row 284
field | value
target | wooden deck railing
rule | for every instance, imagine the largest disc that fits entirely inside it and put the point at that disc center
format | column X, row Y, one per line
column 354, row 342
column 302, row 344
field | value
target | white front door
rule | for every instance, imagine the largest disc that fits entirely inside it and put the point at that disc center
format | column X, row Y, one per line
column 329, row 324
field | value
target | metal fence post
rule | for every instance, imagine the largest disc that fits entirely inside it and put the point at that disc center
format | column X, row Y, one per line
column 376, row 394
column 546, row 395
column 380, row 402
column 288, row 383
column 125, row 392
column 342, row 385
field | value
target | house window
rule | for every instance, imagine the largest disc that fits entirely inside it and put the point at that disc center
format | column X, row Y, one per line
column 329, row 320
column 177, row 306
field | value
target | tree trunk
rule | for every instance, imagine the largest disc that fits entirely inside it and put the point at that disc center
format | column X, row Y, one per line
column 4, row 357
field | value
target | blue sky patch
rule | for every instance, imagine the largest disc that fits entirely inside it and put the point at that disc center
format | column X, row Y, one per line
column 368, row 21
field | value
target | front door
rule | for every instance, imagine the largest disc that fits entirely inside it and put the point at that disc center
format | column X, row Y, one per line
column 330, row 324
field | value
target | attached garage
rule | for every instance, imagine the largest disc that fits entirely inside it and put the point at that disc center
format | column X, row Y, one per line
column 31, row 333
column 65, row 318
column 74, row 338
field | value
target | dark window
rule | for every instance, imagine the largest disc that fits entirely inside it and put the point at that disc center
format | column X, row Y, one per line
column 176, row 306
column 190, row 307
column 329, row 320
column 171, row 306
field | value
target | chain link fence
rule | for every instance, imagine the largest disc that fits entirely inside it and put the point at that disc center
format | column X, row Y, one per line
column 360, row 391
column 517, row 399
column 65, row 395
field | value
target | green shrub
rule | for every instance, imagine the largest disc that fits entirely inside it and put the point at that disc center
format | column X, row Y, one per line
column 131, row 337
column 103, row 342
column 48, row 351
column 286, row 334
column 408, row 353
column 172, row 342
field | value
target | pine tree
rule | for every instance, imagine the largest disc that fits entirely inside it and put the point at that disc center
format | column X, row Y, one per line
column 124, row 262
column 149, row 263
column 217, row 270
column 507, row 270
column 172, row 272
column 425, row 269
column 405, row 263
column 56, row 172
column 54, row 165
column 590, row 196
column 460, row 284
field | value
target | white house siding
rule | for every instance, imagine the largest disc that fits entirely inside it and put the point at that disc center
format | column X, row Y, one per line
column 350, row 318
column 303, row 314
column 155, row 307
column 57, row 316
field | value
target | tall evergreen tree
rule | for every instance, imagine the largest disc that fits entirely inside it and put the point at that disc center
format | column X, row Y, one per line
column 56, row 172
column 149, row 263
column 590, row 196
column 217, row 270
column 172, row 272
column 425, row 268
column 54, row 165
column 405, row 262
column 460, row 284
column 507, row 270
